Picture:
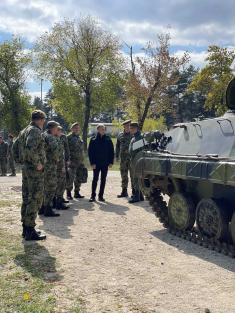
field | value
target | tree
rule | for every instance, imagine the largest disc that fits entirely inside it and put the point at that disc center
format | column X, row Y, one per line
column 211, row 82
column 150, row 76
column 15, row 102
column 82, row 54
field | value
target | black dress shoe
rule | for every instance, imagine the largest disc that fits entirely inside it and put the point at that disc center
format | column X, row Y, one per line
column 101, row 199
column 78, row 196
column 92, row 199
column 31, row 234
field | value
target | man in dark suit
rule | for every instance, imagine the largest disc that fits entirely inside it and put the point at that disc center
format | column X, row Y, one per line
column 101, row 156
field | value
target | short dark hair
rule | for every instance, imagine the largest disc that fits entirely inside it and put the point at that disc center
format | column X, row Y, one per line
column 38, row 115
column 52, row 124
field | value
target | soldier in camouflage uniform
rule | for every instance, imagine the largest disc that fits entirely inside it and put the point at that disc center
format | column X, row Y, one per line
column 61, row 169
column 136, row 133
column 122, row 150
column 76, row 162
column 3, row 156
column 10, row 156
column 52, row 148
column 32, row 157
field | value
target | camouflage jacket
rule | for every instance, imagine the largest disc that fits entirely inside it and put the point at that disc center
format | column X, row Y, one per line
column 10, row 149
column 122, row 145
column 32, row 146
column 64, row 140
column 52, row 148
column 76, row 149
column 138, row 136
column 4, row 149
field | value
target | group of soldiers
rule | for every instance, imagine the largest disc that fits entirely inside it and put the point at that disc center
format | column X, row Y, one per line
column 6, row 156
column 53, row 163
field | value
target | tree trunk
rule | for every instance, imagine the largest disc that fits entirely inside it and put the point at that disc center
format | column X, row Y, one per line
column 87, row 113
column 146, row 109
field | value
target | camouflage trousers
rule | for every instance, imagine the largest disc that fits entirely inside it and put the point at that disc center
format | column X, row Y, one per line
column 3, row 165
column 50, row 184
column 124, row 170
column 61, row 180
column 74, row 177
column 134, row 180
column 32, row 195
column 12, row 165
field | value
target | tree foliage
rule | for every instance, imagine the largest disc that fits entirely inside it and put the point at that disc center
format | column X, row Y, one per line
column 82, row 54
column 14, row 101
column 211, row 82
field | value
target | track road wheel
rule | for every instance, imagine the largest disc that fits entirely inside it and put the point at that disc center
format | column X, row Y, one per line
column 232, row 228
column 212, row 219
column 181, row 211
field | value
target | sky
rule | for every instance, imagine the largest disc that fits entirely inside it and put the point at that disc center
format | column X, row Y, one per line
column 193, row 24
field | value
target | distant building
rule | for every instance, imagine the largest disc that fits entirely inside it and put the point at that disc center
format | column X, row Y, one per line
column 111, row 129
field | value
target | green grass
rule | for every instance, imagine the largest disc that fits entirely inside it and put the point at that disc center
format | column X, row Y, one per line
column 28, row 273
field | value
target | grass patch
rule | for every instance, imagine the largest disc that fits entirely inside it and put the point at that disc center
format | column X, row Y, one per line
column 23, row 287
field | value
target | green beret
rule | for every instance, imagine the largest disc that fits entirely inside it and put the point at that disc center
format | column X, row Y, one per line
column 52, row 124
column 74, row 124
column 38, row 115
column 126, row 122
column 134, row 124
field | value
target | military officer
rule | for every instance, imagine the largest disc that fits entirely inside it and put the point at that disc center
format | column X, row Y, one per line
column 122, row 151
column 52, row 148
column 10, row 156
column 76, row 162
column 3, row 156
column 61, row 169
column 32, row 150
column 136, row 133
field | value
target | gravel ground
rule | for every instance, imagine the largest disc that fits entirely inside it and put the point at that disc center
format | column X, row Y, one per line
column 116, row 257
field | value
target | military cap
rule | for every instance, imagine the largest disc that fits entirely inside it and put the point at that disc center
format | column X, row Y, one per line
column 134, row 124
column 60, row 127
column 38, row 115
column 74, row 124
column 126, row 122
column 52, row 124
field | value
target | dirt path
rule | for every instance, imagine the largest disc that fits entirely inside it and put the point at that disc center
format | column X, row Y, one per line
column 117, row 258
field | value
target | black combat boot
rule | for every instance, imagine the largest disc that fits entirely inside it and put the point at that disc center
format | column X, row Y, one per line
column 60, row 205
column 135, row 198
column 54, row 203
column 78, row 196
column 64, row 200
column 49, row 212
column 41, row 210
column 123, row 194
column 24, row 231
column 31, row 234
column 69, row 195
column 12, row 174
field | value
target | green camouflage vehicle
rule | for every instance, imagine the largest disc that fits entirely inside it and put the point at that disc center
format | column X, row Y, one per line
column 193, row 165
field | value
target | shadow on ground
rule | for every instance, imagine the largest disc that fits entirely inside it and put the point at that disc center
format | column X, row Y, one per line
column 60, row 226
column 193, row 249
column 37, row 260
column 110, row 207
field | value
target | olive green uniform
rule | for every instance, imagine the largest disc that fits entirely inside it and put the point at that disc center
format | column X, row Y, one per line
column 3, row 158
column 122, row 151
column 76, row 162
column 11, row 158
column 52, row 148
column 33, row 150
column 64, row 157
column 138, row 136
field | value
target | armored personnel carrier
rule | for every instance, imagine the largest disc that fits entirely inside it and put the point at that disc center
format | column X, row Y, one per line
column 188, row 175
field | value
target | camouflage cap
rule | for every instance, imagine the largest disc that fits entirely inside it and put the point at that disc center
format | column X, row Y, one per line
column 60, row 127
column 134, row 124
column 52, row 124
column 126, row 122
column 38, row 115
column 74, row 124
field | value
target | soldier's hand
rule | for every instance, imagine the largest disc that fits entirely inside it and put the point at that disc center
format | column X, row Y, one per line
column 39, row 167
column 93, row 166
